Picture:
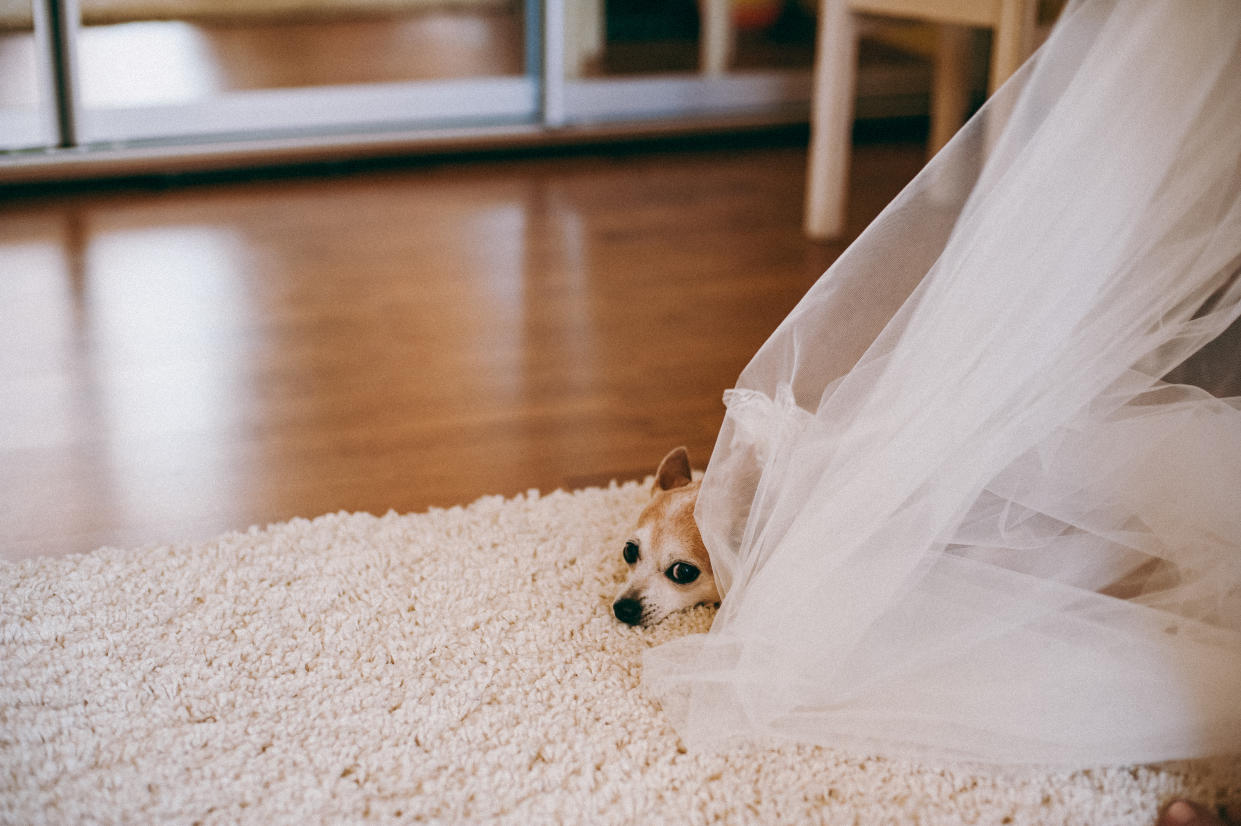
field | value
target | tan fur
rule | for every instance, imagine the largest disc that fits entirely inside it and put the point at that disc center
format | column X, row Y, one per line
column 666, row 534
column 670, row 515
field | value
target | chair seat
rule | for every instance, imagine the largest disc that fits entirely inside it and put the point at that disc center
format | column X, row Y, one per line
column 1013, row 25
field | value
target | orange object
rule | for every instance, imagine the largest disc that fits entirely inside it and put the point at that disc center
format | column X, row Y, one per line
column 756, row 14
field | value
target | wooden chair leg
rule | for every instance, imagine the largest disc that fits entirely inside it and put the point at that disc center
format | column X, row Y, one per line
column 584, row 35
column 1013, row 39
column 1012, row 42
column 950, row 90
column 831, row 121
column 717, row 42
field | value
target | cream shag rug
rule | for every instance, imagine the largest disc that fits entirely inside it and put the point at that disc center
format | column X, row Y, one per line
column 456, row 666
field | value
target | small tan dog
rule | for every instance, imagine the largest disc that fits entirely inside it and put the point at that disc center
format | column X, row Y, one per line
column 669, row 569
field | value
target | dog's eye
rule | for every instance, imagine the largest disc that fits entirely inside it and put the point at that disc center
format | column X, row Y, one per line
column 631, row 552
column 682, row 573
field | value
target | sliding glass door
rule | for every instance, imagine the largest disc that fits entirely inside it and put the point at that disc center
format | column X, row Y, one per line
column 159, row 69
column 641, row 59
column 27, row 105
column 106, row 75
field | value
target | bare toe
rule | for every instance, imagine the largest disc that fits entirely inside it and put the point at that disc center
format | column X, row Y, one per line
column 1187, row 813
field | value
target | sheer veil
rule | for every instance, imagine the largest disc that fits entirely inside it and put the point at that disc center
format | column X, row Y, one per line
column 974, row 499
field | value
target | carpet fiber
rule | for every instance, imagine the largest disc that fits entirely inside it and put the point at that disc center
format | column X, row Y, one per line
column 459, row 666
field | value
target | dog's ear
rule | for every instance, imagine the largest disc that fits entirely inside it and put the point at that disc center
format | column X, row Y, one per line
column 674, row 470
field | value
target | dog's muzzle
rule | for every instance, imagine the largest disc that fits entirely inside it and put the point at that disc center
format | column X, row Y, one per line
column 628, row 610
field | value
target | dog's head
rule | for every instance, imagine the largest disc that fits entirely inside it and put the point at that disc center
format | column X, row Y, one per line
column 668, row 565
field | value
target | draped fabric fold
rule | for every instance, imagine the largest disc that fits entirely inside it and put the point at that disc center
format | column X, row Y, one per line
column 979, row 496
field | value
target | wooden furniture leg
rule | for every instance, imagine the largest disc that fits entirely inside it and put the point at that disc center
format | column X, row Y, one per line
column 831, row 120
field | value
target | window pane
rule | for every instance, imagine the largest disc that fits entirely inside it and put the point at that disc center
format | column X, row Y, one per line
column 627, row 37
column 166, row 53
column 25, row 109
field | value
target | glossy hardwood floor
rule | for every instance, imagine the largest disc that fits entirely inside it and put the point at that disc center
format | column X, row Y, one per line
column 179, row 362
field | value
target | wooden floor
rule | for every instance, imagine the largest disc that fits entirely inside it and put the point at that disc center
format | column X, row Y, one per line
column 178, row 362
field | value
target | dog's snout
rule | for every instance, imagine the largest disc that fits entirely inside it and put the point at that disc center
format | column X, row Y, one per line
column 627, row 610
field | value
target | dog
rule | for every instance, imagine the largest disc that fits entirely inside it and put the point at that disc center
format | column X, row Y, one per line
column 669, row 569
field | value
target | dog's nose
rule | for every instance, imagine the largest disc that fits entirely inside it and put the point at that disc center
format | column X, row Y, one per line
column 628, row 611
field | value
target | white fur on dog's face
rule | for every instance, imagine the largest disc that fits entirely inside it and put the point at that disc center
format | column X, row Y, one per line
column 669, row 568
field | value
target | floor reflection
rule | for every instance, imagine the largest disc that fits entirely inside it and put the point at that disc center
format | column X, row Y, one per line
column 177, row 363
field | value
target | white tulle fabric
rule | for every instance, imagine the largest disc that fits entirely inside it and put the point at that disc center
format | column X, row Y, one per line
column 958, row 507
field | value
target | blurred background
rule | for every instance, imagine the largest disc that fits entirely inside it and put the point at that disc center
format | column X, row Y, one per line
column 102, row 74
column 262, row 259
